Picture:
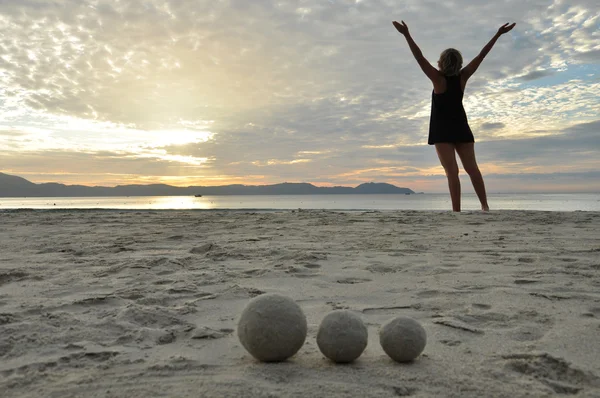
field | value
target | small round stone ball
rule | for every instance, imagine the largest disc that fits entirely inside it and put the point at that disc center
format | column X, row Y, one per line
column 342, row 336
column 272, row 327
column 402, row 338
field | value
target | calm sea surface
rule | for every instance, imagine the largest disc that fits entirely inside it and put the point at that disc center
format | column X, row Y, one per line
column 544, row 202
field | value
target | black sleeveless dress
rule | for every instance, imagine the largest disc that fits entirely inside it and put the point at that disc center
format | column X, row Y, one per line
column 448, row 122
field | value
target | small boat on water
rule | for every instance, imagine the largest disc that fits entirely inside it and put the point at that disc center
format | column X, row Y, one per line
column 198, row 196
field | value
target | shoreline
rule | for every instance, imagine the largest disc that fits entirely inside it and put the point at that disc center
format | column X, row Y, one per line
column 438, row 202
column 277, row 210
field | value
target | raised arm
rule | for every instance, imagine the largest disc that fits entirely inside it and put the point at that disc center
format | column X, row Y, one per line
column 432, row 73
column 468, row 70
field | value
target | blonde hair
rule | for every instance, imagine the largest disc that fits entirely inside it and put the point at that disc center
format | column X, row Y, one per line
column 450, row 62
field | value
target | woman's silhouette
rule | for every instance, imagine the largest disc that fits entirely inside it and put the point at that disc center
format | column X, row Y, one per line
column 449, row 129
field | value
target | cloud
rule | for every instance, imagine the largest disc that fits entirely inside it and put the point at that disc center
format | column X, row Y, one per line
column 572, row 150
column 531, row 162
column 314, row 90
column 9, row 133
column 536, row 74
column 492, row 126
column 589, row 56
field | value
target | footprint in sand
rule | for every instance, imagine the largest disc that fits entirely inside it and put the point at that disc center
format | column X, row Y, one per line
column 568, row 260
column 451, row 265
column 5, row 319
column 111, row 270
column 165, row 272
column 497, row 320
column 451, row 343
column 181, row 290
column 204, row 248
column 428, row 294
column 163, row 282
column 206, row 333
column 205, row 296
column 301, row 272
column 561, row 376
column 526, row 260
column 381, row 269
column 121, row 249
column 521, row 326
column 455, row 324
column 352, row 281
column 525, row 281
column 12, row 275
column 74, row 360
column 397, row 254
column 99, row 356
column 403, row 391
column 527, row 333
column 255, row 272
column 336, row 305
column 551, row 297
column 386, row 310
column 303, row 257
column 253, row 292
column 311, row 265
column 98, row 300
column 592, row 313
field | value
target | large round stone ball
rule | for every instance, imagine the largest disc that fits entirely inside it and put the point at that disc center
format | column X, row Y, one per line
column 403, row 339
column 272, row 327
column 342, row 336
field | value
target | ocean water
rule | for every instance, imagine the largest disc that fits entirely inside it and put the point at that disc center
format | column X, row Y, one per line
column 438, row 202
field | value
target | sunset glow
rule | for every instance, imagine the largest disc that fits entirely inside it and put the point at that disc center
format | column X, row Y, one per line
column 219, row 92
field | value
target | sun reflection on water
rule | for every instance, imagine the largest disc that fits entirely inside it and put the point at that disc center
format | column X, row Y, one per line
column 182, row 202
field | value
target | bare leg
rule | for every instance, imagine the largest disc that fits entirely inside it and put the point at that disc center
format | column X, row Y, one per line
column 466, row 151
column 447, row 157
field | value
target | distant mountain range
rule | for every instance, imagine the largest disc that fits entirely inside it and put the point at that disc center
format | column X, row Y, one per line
column 13, row 186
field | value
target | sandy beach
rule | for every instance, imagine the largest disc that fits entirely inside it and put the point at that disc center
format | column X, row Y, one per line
column 145, row 303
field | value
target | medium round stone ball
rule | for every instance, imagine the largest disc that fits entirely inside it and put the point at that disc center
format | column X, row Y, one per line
column 272, row 327
column 342, row 336
column 402, row 338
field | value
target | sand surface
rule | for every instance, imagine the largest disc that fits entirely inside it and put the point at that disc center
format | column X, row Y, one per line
column 145, row 304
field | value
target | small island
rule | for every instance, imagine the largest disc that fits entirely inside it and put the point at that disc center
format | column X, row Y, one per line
column 14, row 186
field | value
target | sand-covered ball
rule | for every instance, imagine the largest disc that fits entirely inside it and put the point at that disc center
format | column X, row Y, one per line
column 272, row 327
column 403, row 339
column 342, row 336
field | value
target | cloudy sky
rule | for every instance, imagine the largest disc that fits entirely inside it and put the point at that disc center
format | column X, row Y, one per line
column 214, row 92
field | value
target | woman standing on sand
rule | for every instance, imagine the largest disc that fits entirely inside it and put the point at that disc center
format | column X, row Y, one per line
column 449, row 129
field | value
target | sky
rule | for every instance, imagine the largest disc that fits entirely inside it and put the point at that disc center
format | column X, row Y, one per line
column 217, row 92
